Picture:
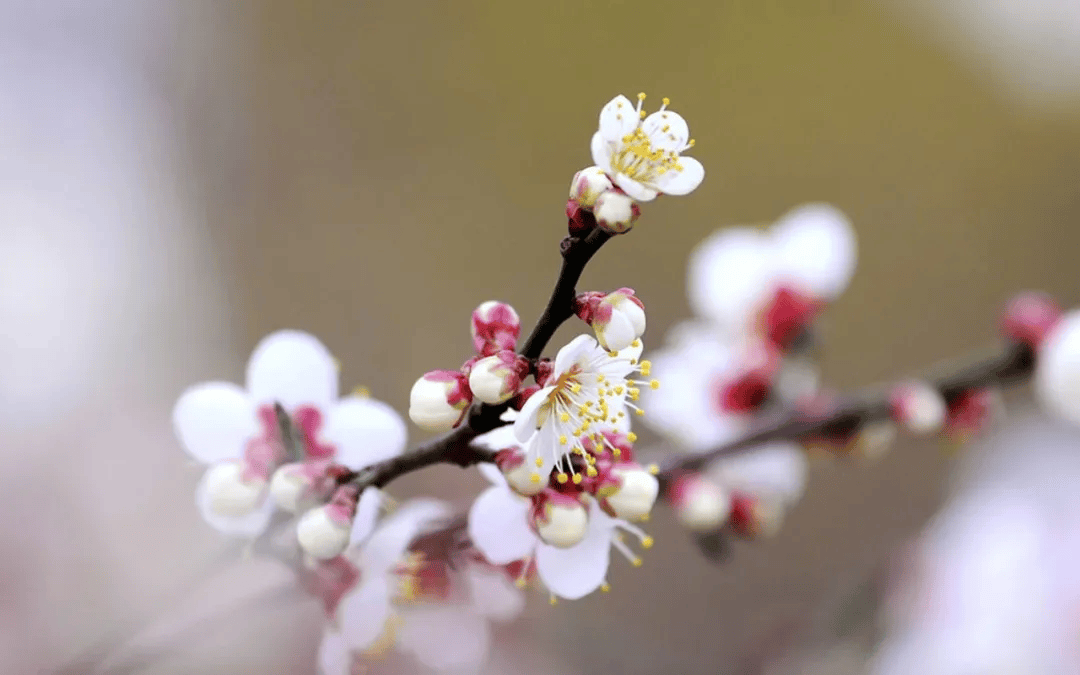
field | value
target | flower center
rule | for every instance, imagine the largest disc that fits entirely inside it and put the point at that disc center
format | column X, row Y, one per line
column 637, row 158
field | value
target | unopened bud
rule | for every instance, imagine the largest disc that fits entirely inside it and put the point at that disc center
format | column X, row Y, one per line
column 618, row 319
column 788, row 313
column 496, row 378
column 295, row 486
column 521, row 475
column 495, row 326
column 756, row 517
column 918, row 407
column 232, row 491
column 438, row 401
column 1029, row 317
column 628, row 491
column 588, row 184
column 324, row 532
column 615, row 212
column 700, row 504
column 560, row 520
column 874, row 440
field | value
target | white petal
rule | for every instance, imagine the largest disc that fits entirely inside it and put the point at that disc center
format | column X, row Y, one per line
column 526, row 423
column 391, row 539
column 775, row 469
column 676, row 136
column 501, row 438
column 499, row 526
column 729, row 276
column 581, row 347
column 445, row 638
column 492, row 473
column 363, row 612
column 683, row 182
column 618, row 333
column 1057, row 370
column 617, row 119
column 364, row 431
column 601, row 152
column 294, row 368
column 494, row 595
column 817, row 249
column 244, row 527
column 213, row 420
column 575, row 572
column 634, row 189
column 334, row 656
column 367, row 514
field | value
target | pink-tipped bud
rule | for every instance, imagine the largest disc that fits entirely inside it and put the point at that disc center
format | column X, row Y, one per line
column 439, row 400
column 627, row 491
column 1029, row 317
column 587, row 186
column 700, row 504
column 296, row 487
column 233, row 491
column 755, row 517
column 521, row 475
column 970, row 413
column 494, row 379
column 559, row 519
column 615, row 212
column 324, row 532
column 918, row 407
column 787, row 315
column 495, row 327
column 618, row 317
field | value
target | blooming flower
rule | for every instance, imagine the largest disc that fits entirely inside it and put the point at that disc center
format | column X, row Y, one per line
column 499, row 527
column 641, row 154
column 588, row 387
column 421, row 606
column 234, row 429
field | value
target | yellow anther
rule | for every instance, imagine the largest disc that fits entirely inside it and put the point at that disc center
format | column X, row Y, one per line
column 666, row 100
column 645, row 366
column 521, row 583
column 654, row 469
column 577, row 479
column 575, row 387
column 539, row 462
column 562, row 477
column 362, row 392
column 599, row 378
column 635, row 344
column 641, row 114
column 690, row 143
column 632, row 437
column 654, row 384
column 605, row 587
column 553, row 601
column 647, row 542
column 619, row 390
column 639, row 412
column 591, row 471
column 562, row 440
column 613, row 353
column 564, row 417
column 617, row 452
column 666, row 128
column 644, row 518
column 641, row 96
column 534, row 478
column 636, row 562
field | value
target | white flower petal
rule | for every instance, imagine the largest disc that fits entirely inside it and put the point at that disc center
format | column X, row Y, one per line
column 391, row 539
column 581, row 347
column 634, row 189
column 334, row 656
column 364, row 431
column 817, row 249
column 494, row 595
column 683, row 182
column 774, row 469
column 575, row 572
column 445, row 638
column 617, row 119
column 618, row 333
column 244, row 527
column 499, row 439
column 1057, row 370
column 492, row 473
column 214, row 420
column 367, row 514
column 363, row 611
column 526, row 423
column 677, row 132
column 499, row 526
column 730, row 275
column 294, row 368
column 601, row 152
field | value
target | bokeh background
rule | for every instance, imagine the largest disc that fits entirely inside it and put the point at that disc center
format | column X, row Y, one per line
column 181, row 179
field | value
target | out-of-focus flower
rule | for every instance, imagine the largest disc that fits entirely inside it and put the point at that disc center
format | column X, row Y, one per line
column 1057, row 370
column 236, row 431
column 918, row 407
column 700, row 504
column 587, row 388
column 642, row 155
column 1029, row 318
column 776, row 471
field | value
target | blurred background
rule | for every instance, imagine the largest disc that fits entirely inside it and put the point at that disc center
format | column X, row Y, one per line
column 180, row 179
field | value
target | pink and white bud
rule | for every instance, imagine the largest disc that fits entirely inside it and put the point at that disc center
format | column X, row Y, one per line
column 232, row 490
column 618, row 319
column 588, row 185
column 439, row 400
column 521, row 475
column 788, row 313
column 1029, row 318
column 324, row 532
column 628, row 491
column 495, row 327
column 918, row 407
column 294, row 487
column 615, row 212
column 1057, row 369
column 560, row 520
column 700, row 504
column 494, row 379
column 756, row 517
column 874, row 440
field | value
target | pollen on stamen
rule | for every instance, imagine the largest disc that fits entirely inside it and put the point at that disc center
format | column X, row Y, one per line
column 647, row 542
column 654, row 469
column 637, row 562
column 539, row 462
column 562, row 477
column 591, row 471
column 553, row 600
column 564, row 417
column 654, row 384
column 605, row 587
column 577, row 479
column 645, row 367
column 631, row 436
column 563, row 440
column 534, row 477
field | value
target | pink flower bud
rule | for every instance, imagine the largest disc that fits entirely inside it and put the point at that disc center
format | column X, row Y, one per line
column 495, row 326
column 324, row 532
column 755, row 517
column 559, row 519
column 494, row 379
column 439, row 400
column 579, row 220
column 587, row 186
column 232, row 490
column 615, row 212
column 521, row 475
column 700, row 504
column 628, row 491
column 970, row 413
column 618, row 317
column 1029, row 317
column 787, row 314
column 918, row 407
